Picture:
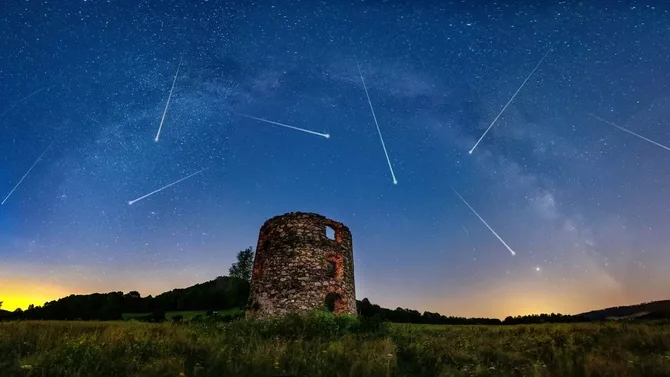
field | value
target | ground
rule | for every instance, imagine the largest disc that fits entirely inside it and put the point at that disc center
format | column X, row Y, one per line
column 324, row 345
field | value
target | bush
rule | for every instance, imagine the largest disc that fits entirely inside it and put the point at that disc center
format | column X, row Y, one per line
column 155, row 317
column 217, row 318
column 372, row 326
column 311, row 325
column 231, row 317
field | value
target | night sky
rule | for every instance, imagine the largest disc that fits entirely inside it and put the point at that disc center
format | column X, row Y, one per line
column 581, row 202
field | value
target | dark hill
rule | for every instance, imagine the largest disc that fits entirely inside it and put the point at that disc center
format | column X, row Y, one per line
column 655, row 315
column 628, row 311
column 221, row 293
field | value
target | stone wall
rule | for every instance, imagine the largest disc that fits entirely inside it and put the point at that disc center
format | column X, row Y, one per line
column 297, row 267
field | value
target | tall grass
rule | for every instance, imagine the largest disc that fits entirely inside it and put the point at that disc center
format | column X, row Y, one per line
column 323, row 345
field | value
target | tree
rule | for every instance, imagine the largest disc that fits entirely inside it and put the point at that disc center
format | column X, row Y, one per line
column 242, row 268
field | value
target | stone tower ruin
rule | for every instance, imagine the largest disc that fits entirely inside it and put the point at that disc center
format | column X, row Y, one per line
column 298, row 267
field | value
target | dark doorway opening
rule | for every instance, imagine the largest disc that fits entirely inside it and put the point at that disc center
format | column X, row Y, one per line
column 333, row 302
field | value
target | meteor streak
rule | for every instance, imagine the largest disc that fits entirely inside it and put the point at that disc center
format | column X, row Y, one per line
column 485, row 223
column 395, row 181
column 24, row 176
column 327, row 136
column 167, row 103
column 164, row 187
column 630, row 132
column 22, row 100
column 510, row 101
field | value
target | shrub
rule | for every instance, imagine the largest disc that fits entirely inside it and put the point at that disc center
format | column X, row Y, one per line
column 308, row 326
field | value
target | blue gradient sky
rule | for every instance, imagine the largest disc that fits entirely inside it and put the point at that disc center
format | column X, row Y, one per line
column 581, row 202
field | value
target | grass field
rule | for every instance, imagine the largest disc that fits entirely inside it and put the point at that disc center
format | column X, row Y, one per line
column 187, row 314
column 322, row 345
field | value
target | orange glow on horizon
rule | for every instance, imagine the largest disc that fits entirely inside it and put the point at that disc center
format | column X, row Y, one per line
column 21, row 293
column 511, row 298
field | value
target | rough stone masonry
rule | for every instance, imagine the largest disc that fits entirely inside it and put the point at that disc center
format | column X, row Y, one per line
column 298, row 267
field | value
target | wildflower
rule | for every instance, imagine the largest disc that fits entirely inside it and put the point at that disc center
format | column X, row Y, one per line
column 276, row 364
column 389, row 356
column 27, row 366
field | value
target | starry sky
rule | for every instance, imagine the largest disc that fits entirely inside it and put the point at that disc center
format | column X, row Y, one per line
column 582, row 203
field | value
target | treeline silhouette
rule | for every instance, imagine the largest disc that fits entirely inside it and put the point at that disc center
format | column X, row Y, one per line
column 228, row 293
column 399, row 315
column 231, row 292
column 219, row 294
column 654, row 308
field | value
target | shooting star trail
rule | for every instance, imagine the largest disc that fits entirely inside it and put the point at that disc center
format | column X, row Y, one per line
column 510, row 101
column 485, row 223
column 630, row 132
column 167, row 103
column 24, row 176
column 466, row 231
column 22, row 100
column 327, row 136
column 395, row 181
column 164, row 187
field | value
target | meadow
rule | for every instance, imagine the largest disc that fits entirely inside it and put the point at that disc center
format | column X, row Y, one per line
column 320, row 344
